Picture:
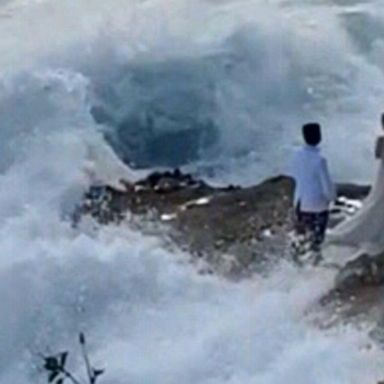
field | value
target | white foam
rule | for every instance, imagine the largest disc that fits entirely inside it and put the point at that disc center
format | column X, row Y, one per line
column 149, row 316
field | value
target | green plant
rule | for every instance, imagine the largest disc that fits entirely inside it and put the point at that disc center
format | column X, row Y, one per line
column 58, row 373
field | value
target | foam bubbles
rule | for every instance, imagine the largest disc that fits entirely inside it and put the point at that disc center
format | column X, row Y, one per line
column 147, row 313
column 150, row 318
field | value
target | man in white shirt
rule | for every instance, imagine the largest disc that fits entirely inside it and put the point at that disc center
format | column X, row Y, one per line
column 314, row 191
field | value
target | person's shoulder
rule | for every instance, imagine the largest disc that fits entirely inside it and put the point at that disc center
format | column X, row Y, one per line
column 322, row 160
column 297, row 155
column 321, row 155
column 299, row 151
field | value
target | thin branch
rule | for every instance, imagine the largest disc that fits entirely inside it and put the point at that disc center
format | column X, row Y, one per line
column 87, row 363
column 70, row 376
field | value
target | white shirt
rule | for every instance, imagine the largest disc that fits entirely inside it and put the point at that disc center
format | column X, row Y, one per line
column 314, row 188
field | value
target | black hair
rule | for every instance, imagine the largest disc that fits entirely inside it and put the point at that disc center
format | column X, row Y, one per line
column 312, row 133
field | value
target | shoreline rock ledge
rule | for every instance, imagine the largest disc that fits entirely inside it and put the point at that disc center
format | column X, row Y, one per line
column 237, row 230
column 232, row 228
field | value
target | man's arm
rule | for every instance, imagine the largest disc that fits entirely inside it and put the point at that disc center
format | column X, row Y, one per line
column 327, row 185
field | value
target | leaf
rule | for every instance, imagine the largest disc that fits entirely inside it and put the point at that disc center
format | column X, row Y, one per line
column 63, row 359
column 52, row 376
column 95, row 374
column 82, row 338
column 98, row 372
column 51, row 363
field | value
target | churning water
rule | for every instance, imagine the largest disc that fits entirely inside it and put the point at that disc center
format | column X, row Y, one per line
column 220, row 87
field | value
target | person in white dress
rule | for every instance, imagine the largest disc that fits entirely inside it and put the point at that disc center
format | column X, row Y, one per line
column 365, row 230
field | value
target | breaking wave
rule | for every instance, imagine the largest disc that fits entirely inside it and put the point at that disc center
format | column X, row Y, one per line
column 107, row 90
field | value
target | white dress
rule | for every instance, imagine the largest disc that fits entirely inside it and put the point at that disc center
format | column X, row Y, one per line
column 365, row 230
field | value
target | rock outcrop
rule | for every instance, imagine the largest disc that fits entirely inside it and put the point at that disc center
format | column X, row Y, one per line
column 365, row 270
column 234, row 228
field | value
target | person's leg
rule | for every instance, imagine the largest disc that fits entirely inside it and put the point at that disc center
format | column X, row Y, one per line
column 295, row 238
column 320, row 222
column 318, row 228
column 301, row 241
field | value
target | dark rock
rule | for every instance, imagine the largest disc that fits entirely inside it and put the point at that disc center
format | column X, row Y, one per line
column 246, row 222
column 359, row 292
column 232, row 223
column 365, row 270
column 352, row 191
column 165, row 182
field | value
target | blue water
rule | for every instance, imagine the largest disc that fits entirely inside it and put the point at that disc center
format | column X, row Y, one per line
column 94, row 91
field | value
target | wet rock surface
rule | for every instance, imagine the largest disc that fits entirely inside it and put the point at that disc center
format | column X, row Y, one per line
column 359, row 292
column 230, row 227
column 365, row 270
column 238, row 230
column 353, row 191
